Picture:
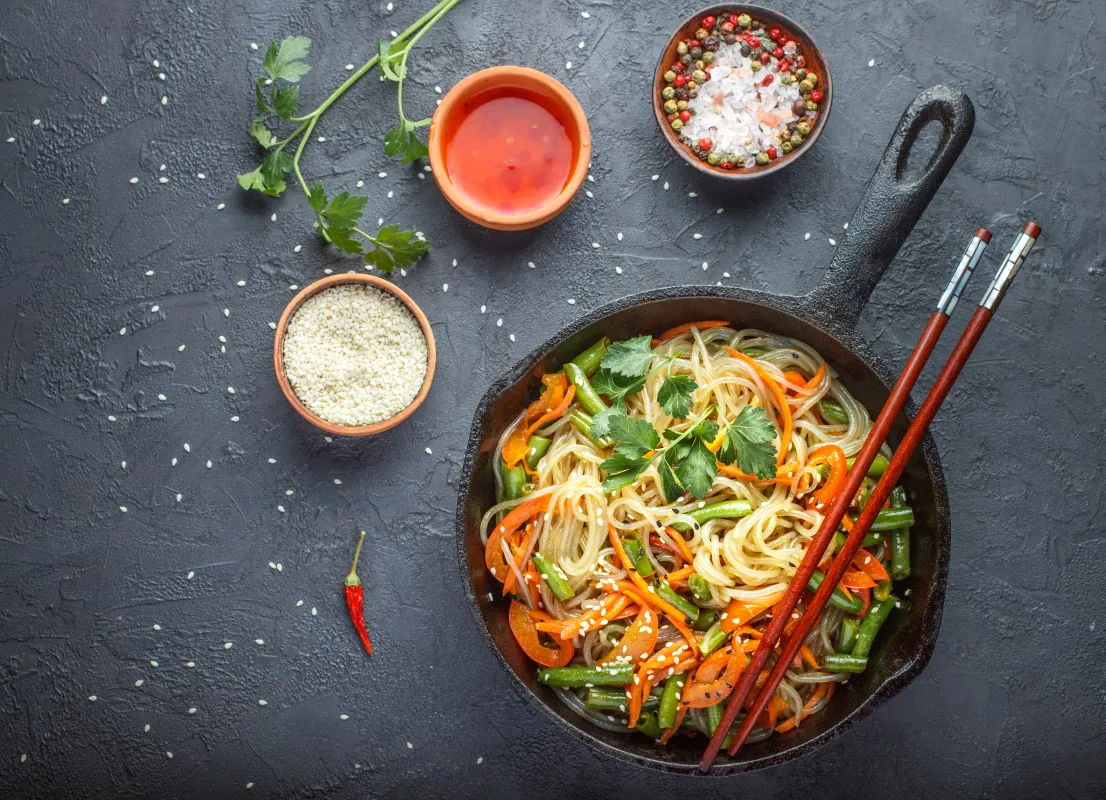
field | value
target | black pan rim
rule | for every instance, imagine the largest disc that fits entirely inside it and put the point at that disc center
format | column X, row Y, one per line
column 803, row 309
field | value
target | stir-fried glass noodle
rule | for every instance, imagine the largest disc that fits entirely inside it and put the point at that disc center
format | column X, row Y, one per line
column 654, row 503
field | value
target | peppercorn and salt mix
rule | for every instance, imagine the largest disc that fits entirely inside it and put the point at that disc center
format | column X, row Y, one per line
column 740, row 95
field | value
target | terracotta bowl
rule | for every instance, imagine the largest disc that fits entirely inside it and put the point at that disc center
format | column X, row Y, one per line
column 282, row 377
column 458, row 101
column 816, row 63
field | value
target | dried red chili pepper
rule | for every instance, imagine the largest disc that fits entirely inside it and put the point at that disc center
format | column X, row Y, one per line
column 355, row 599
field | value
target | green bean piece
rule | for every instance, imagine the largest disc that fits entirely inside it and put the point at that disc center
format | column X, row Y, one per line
column 586, row 395
column 706, row 618
column 877, row 467
column 699, row 587
column 589, row 360
column 872, row 538
column 891, row 518
column 615, row 700
column 714, row 638
column 843, row 662
column 870, row 626
column 838, row 541
column 833, row 412
column 670, row 698
column 514, row 483
column 846, row 637
column 900, row 554
column 647, row 724
column 582, row 422
column 864, row 495
column 576, row 677
column 536, row 446
column 898, row 497
column 554, row 577
column 714, row 716
column 666, row 592
column 882, row 590
column 636, row 551
column 846, row 602
column 755, row 352
column 728, row 509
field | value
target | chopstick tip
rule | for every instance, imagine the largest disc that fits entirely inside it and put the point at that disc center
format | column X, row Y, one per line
column 1031, row 229
column 983, row 234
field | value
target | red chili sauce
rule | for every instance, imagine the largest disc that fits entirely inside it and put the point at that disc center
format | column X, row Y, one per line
column 510, row 150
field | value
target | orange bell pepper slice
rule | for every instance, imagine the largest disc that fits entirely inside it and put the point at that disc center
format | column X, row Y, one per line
column 834, row 457
column 738, row 612
column 869, row 564
column 554, row 401
column 518, row 516
column 522, row 621
column 680, row 330
column 638, row 641
column 714, row 679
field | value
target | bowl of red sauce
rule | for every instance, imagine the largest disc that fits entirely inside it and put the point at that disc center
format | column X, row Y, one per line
column 509, row 147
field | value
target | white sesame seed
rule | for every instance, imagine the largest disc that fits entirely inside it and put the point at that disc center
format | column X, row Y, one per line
column 192, row 710
column 410, row 746
column 531, row 264
column 123, row 509
column 249, row 784
column 343, row 716
column 259, row 641
column 179, row 496
column 806, row 237
column 280, row 509
column 263, row 702
column 139, row 682
column 123, row 331
column 320, row 139
column 168, row 754
column 299, row 603
column 337, row 481
column 618, row 270
column 511, row 337
column 228, row 645
column 585, row 15
column 445, row 287
column 220, row 207
column 871, row 62
column 696, row 236
column 314, row 611
column 65, row 201
column 480, row 760
column 429, row 452
column 93, row 698
column 499, row 322
column 190, row 575
column 845, row 227
column 833, row 242
column 666, row 186
column 253, row 45
column 10, row 139
column 149, row 272
column 705, row 266
column 103, row 99
column 226, row 312
column 570, row 301
column 164, row 100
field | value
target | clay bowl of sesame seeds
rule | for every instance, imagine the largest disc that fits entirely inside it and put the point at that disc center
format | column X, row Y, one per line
column 354, row 355
column 741, row 91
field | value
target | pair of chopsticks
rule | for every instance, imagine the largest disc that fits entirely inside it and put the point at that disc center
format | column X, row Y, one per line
column 783, row 613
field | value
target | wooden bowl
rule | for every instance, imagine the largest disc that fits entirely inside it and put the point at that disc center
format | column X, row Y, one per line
column 282, row 377
column 816, row 63
column 457, row 102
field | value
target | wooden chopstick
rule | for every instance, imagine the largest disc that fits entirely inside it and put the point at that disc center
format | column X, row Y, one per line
column 937, row 394
column 833, row 515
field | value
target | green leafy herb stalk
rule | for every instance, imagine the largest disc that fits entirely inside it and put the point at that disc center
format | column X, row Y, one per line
column 338, row 217
column 684, row 461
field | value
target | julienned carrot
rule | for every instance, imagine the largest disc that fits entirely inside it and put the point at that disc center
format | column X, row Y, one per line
column 681, row 544
column 780, row 398
column 816, row 378
column 808, row 656
column 833, row 457
column 738, row 612
column 857, row 579
column 680, row 575
column 680, row 330
column 795, row 378
column 648, row 598
column 648, row 595
column 520, row 557
column 516, row 518
column 733, row 472
column 870, row 565
column 638, row 641
column 808, row 706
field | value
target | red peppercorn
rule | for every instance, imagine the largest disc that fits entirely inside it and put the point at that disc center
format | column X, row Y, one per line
column 705, row 144
column 816, row 96
column 726, row 165
column 733, row 18
column 778, row 52
column 784, row 65
column 790, row 42
column 685, row 116
column 772, row 152
column 765, row 57
column 774, row 33
column 727, row 27
column 679, row 66
column 767, row 79
column 681, row 80
column 708, row 21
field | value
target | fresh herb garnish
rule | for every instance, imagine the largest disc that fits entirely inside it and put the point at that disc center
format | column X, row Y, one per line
column 749, row 442
column 675, row 395
column 631, row 358
column 337, row 218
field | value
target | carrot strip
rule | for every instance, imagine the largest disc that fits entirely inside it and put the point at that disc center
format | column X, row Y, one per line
column 516, row 517
column 795, row 378
column 817, row 377
column 857, row 579
column 520, row 551
column 681, row 712
column 834, row 457
column 681, row 544
column 734, row 472
column 703, row 325
column 868, row 563
column 648, row 598
column 738, row 613
column 680, row 575
column 638, row 641
column 808, row 656
column 780, row 398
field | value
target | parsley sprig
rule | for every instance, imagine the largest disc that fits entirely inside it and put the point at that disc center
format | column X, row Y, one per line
column 337, row 217
column 685, row 463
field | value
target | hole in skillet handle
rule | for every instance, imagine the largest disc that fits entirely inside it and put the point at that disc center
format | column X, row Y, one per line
column 892, row 203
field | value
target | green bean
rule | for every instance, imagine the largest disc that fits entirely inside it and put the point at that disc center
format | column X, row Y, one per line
column 514, row 483
column 536, row 446
column 636, row 553
column 838, row 541
column 846, row 602
column 865, row 494
column 846, row 637
column 647, row 724
column 877, row 467
column 728, row 509
column 554, row 577
column 589, row 360
column 706, row 618
column 714, row 638
column 699, row 587
column 882, row 590
column 900, row 540
column 891, row 518
column 898, row 497
column 869, row 627
column 582, row 422
column 670, row 698
column 586, row 395
column 755, row 352
column 615, row 700
column 833, row 412
column 575, row 677
column 667, row 593
column 714, row 716
column 843, row 662
column 872, row 538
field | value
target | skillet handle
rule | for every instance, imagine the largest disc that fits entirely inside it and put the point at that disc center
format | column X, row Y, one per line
column 891, row 205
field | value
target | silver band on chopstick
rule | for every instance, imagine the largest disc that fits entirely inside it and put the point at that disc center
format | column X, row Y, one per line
column 1027, row 237
column 963, row 271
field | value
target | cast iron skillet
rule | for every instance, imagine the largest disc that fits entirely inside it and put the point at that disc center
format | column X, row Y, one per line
column 825, row 319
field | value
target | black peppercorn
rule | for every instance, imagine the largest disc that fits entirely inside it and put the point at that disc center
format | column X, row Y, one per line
column 798, row 108
column 696, row 51
column 746, row 50
column 711, row 43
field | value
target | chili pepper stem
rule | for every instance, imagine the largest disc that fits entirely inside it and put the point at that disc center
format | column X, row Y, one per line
column 352, row 579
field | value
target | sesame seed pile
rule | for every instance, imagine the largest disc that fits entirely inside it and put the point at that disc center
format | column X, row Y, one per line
column 355, row 355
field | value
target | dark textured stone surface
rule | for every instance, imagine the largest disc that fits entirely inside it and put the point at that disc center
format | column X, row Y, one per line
column 1012, row 702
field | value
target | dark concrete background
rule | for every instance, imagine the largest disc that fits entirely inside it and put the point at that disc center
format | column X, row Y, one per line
column 138, row 609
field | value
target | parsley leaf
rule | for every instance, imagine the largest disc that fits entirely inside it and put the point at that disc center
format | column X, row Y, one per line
column 268, row 178
column 635, row 431
column 615, row 387
column 284, row 62
column 675, row 395
column 670, row 484
column 261, row 133
column 630, row 358
column 336, row 218
column 396, row 248
column 624, row 467
column 402, row 141
column 316, row 196
column 601, row 423
column 393, row 65
column 343, row 211
column 285, row 100
column 749, row 443
column 697, row 470
column 707, row 430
